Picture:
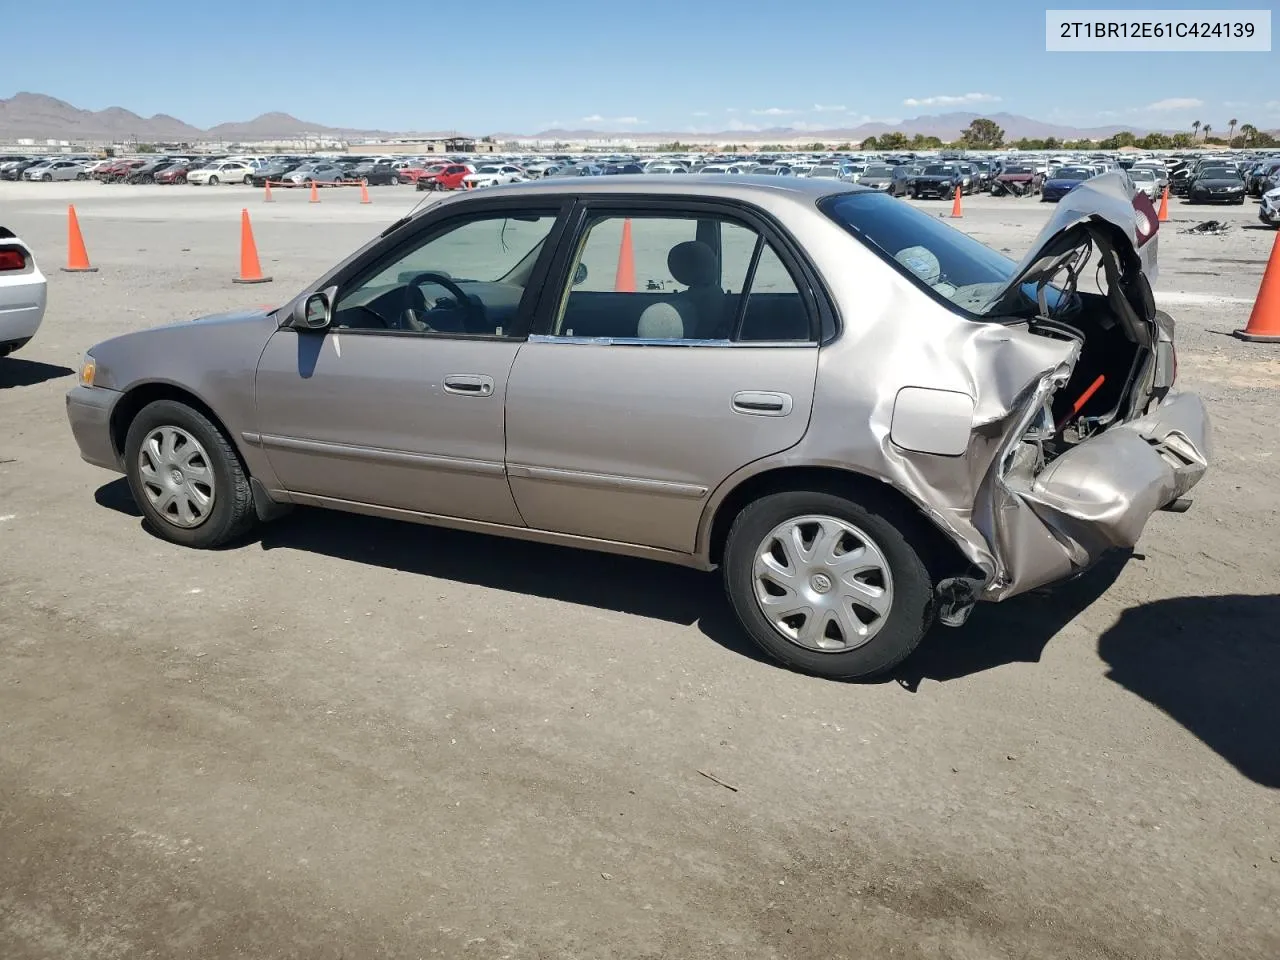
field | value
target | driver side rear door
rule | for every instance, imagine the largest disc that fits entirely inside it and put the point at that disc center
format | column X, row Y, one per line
column 376, row 411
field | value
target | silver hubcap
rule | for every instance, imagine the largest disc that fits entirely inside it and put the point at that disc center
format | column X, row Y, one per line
column 823, row 583
column 176, row 476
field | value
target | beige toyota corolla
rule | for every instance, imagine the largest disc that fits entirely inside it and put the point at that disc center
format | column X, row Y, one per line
column 867, row 419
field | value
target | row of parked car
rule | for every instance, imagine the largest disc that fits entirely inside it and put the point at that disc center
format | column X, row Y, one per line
column 1214, row 178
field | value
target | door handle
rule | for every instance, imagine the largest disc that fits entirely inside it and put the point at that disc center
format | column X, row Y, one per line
column 469, row 385
column 761, row 403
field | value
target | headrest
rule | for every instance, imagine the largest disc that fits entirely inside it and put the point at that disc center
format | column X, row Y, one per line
column 660, row 321
column 693, row 263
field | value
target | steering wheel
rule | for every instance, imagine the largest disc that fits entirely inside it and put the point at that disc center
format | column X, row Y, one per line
column 474, row 312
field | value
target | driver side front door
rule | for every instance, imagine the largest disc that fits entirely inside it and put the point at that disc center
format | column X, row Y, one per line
column 384, row 409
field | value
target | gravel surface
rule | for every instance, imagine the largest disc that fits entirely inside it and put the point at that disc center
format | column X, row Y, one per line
column 352, row 738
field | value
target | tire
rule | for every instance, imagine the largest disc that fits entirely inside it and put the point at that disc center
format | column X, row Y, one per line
column 47, row 178
column 230, row 513
column 82, row 176
column 212, row 181
column 248, row 180
column 893, row 635
column 394, row 181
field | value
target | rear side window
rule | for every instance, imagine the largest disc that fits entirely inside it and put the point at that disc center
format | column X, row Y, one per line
column 949, row 263
column 679, row 278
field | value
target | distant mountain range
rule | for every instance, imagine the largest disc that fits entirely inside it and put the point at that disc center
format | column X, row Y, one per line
column 946, row 126
column 40, row 117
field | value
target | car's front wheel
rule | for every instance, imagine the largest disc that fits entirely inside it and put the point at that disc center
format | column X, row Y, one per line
column 826, row 585
column 213, row 181
column 186, row 477
column 394, row 180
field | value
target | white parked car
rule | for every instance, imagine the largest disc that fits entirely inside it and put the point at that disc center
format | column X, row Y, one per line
column 57, row 170
column 22, row 293
column 494, row 174
column 228, row 171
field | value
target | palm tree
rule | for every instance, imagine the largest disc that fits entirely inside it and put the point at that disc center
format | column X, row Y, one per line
column 1206, row 129
column 1195, row 129
column 1231, row 129
column 1248, row 131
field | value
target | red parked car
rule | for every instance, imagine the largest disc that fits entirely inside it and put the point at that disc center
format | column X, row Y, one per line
column 119, row 172
column 176, row 173
column 444, row 176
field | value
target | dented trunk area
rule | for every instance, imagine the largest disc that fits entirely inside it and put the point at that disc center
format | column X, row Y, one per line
column 1095, row 442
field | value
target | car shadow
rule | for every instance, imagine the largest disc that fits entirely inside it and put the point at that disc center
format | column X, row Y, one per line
column 117, row 496
column 1213, row 665
column 644, row 588
column 17, row 372
column 1015, row 631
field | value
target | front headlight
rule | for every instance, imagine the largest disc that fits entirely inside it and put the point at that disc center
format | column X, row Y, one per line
column 88, row 370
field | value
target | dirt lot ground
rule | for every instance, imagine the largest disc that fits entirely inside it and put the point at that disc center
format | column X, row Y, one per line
column 356, row 739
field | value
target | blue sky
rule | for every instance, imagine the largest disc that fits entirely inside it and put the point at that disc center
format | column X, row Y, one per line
column 653, row 65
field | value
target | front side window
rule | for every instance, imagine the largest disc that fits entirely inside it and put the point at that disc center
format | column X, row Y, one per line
column 469, row 279
column 680, row 279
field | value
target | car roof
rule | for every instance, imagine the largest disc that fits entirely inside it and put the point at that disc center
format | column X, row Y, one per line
column 741, row 187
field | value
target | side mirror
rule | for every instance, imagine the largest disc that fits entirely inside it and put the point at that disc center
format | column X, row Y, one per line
column 580, row 274
column 315, row 312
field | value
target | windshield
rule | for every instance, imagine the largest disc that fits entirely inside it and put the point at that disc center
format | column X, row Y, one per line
column 1074, row 173
column 489, row 169
column 939, row 170
column 1016, row 169
column 1219, row 173
column 1140, row 173
column 951, row 264
column 824, row 172
column 880, row 171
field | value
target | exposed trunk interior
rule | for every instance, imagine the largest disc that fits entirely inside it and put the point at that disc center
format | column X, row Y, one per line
column 1112, row 381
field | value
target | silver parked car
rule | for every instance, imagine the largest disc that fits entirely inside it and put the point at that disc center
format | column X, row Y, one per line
column 868, row 420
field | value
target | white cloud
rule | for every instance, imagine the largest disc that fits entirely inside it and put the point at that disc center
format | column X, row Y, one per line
column 736, row 124
column 614, row 121
column 773, row 112
column 699, row 113
column 730, row 109
column 1174, row 103
column 950, row 100
column 1271, row 105
column 828, row 108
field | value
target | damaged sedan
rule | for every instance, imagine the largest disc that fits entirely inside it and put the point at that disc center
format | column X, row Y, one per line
column 867, row 420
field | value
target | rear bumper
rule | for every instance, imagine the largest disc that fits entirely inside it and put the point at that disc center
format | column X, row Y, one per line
column 22, row 303
column 1098, row 495
column 89, row 413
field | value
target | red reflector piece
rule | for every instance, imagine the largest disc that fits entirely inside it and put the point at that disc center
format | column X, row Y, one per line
column 12, row 260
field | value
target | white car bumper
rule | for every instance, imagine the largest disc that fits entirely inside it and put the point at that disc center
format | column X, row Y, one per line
column 22, row 302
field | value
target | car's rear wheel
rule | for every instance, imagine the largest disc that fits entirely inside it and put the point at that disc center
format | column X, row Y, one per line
column 186, row 477
column 248, row 180
column 82, row 176
column 826, row 585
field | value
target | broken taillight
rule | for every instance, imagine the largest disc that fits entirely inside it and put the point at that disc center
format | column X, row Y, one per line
column 1145, row 218
column 11, row 259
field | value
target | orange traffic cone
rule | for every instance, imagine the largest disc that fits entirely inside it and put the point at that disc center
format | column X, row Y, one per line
column 1264, row 322
column 625, row 280
column 364, row 192
column 955, row 206
column 315, row 194
column 77, row 256
column 1163, row 215
column 250, row 268
column 266, row 197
